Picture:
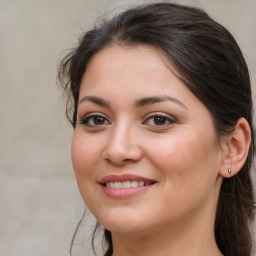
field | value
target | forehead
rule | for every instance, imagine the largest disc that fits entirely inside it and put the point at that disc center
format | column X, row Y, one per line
column 122, row 58
column 126, row 74
column 138, row 66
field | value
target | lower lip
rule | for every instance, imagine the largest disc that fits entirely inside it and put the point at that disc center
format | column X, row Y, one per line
column 121, row 193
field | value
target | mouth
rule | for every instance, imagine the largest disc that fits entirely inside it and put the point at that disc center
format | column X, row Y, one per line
column 127, row 184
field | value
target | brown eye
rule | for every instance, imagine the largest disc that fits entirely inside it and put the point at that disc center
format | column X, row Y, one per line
column 159, row 120
column 98, row 120
column 94, row 120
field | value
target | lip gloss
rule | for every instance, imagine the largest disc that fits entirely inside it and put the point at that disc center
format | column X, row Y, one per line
column 119, row 193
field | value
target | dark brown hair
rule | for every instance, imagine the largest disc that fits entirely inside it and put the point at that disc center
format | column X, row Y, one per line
column 209, row 62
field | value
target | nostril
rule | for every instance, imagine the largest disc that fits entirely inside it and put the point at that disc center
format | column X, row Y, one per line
column 122, row 156
column 122, row 145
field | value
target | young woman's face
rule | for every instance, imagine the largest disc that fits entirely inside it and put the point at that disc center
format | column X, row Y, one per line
column 144, row 151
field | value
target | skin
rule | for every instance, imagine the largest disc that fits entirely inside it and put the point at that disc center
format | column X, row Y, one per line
column 177, row 213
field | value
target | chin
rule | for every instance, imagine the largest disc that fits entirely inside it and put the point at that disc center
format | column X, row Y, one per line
column 127, row 222
column 127, row 228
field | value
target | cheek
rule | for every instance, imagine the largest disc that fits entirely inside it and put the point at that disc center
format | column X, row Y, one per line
column 186, row 159
column 189, row 172
column 84, row 157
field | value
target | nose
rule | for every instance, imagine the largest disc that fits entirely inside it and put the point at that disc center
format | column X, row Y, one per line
column 123, row 146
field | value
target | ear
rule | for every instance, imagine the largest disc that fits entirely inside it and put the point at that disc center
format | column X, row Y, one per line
column 236, row 147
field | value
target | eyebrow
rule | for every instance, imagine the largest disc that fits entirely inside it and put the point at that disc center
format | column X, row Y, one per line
column 156, row 99
column 138, row 103
column 96, row 100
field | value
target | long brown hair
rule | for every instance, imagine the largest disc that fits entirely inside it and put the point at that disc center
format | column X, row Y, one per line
column 208, row 60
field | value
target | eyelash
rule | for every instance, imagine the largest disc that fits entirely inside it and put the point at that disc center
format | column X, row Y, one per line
column 91, row 117
column 163, row 117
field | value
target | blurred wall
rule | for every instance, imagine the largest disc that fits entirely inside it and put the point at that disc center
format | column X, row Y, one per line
column 39, row 200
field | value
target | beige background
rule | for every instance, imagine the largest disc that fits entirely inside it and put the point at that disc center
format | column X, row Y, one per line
column 39, row 201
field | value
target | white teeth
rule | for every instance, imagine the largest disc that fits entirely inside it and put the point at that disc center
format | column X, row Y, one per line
column 134, row 184
column 141, row 183
column 127, row 184
column 118, row 184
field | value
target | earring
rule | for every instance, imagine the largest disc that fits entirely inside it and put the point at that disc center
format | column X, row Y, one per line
column 229, row 171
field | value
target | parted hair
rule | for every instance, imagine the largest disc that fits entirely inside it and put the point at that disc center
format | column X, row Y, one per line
column 206, row 58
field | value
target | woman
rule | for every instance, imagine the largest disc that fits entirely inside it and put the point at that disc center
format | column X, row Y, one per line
column 163, row 142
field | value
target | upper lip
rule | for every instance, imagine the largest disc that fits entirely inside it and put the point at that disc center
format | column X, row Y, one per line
column 124, row 177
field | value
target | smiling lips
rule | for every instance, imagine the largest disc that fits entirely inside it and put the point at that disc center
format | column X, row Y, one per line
column 123, row 186
column 127, row 184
